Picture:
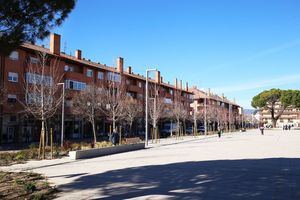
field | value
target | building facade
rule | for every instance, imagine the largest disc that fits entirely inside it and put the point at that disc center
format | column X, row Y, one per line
column 216, row 110
column 77, row 73
column 291, row 116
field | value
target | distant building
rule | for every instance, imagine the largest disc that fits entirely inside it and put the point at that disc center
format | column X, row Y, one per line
column 291, row 116
column 216, row 109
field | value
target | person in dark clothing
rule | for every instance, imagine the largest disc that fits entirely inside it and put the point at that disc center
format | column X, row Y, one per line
column 290, row 127
column 261, row 127
column 115, row 137
column 220, row 130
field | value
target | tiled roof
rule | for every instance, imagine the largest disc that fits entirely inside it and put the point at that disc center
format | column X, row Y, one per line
column 199, row 94
column 90, row 63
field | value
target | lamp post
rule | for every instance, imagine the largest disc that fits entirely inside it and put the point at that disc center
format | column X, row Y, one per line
column 146, row 109
column 205, row 115
column 229, row 116
column 62, row 115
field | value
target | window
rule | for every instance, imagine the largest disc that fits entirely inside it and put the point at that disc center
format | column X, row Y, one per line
column 69, row 103
column 69, row 68
column 14, row 55
column 11, row 98
column 113, row 77
column 140, row 96
column 100, row 75
column 128, row 82
column 171, row 91
column 129, row 94
column 39, row 79
column 13, row 118
column 32, row 98
column 75, row 85
column 89, row 73
column 140, row 84
column 12, row 77
column 34, row 60
column 167, row 100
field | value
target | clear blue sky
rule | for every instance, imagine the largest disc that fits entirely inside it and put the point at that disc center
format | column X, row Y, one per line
column 240, row 47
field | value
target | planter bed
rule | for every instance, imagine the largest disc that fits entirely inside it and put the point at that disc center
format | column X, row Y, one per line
column 91, row 153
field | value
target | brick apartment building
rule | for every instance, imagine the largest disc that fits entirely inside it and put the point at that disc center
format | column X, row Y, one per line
column 218, row 110
column 78, row 72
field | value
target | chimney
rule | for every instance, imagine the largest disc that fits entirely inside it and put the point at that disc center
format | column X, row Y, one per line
column 180, row 84
column 157, row 76
column 223, row 97
column 187, row 86
column 129, row 70
column 161, row 79
column 120, row 65
column 209, row 93
column 78, row 54
column 176, row 84
column 55, row 43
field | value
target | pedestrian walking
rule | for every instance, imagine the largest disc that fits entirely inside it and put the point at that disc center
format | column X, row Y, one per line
column 220, row 130
column 261, row 127
column 290, row 127
column 115, row 137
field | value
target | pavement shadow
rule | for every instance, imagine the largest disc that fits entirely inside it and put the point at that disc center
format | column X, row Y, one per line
column 274, row 178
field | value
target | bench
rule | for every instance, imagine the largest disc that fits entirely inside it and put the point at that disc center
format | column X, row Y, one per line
column 132, row 140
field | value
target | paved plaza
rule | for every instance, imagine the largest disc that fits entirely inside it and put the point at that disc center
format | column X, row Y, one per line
column 237, row 166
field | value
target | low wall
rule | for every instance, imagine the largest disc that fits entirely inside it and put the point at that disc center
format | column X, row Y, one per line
column 91, row 153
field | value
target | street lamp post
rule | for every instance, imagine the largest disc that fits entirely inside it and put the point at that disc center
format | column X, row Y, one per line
column 205, row 113
column 146, row 109
column 62, row 115
column 229, row 117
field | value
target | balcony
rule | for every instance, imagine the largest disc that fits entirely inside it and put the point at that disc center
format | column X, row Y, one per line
column 134, row 88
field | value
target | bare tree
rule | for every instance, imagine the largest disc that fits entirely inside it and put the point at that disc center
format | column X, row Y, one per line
column 156, row 107
column 113, row 95
column 222, row 116
column 212, row 115
column 88, row 104
column 42, row 93
column 133, row 109
column 178, row 111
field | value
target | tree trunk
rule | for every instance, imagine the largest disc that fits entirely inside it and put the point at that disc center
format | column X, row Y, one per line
column 94, row 131
column 274, row 122
column 114, row 124
column 46, row 134
column 130, row 129
column 43, row 139
column 171, row 129
column 178, row 129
